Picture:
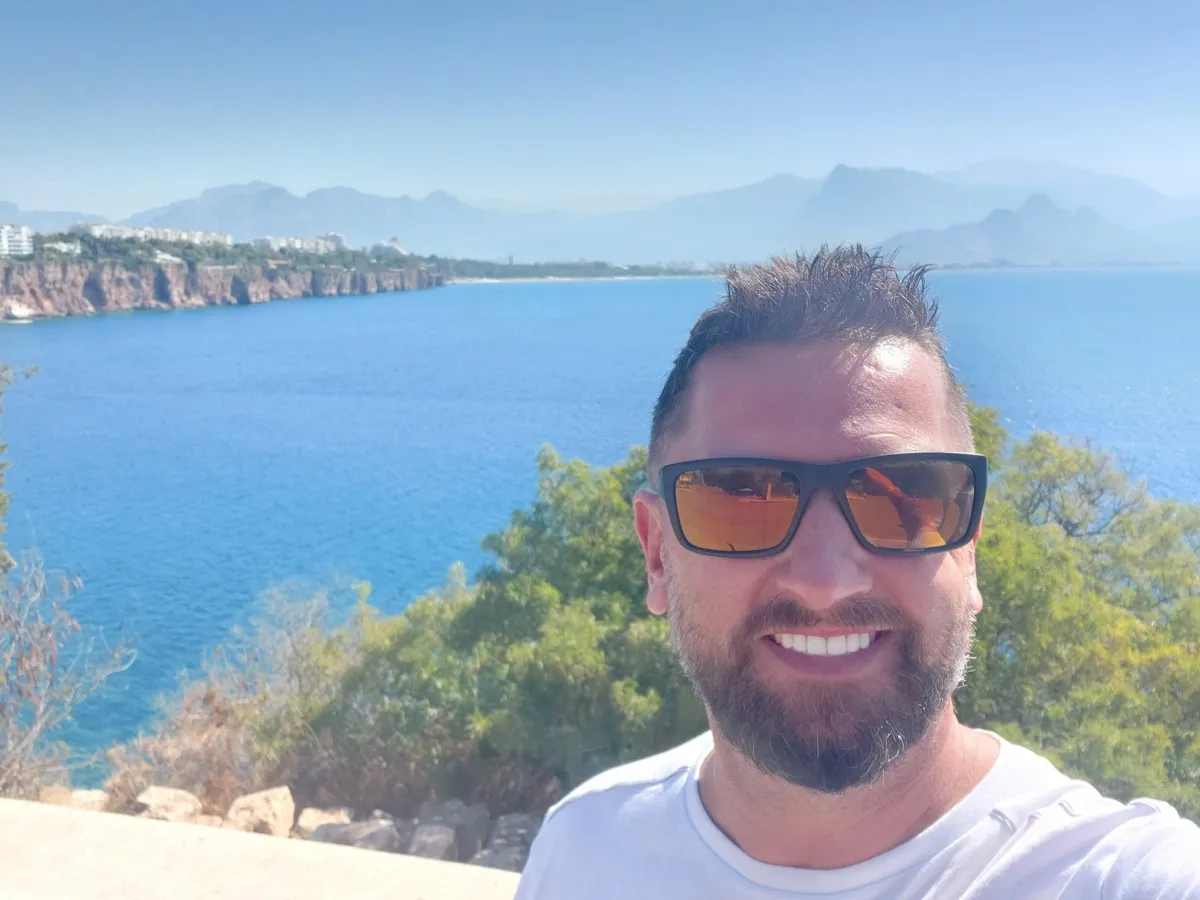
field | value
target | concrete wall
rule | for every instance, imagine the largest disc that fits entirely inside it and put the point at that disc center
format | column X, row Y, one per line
column 57, row 853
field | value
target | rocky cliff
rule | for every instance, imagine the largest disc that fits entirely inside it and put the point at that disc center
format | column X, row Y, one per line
column 38, row 289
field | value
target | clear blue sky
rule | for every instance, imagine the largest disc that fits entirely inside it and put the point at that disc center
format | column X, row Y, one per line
column 111, row 106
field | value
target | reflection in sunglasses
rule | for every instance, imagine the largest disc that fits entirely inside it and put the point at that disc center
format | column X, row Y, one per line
column 922, row 525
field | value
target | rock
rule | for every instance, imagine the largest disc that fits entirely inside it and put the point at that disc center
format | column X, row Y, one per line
column 311, row 819
column 374, row 834
column 209, row 821
column 58, row 795
column 470, row 824
column 55, row 794
column 512, row 859
column 508, row 846
column 265, row 812
column 168, row 805
column 97, row 801
column 515, row 829
column 434, row 842
column 406, row 828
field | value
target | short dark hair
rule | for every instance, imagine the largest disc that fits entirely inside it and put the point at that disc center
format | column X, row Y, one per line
column 846, row 294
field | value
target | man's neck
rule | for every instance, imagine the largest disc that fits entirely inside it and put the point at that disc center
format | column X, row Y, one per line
column 781, row 824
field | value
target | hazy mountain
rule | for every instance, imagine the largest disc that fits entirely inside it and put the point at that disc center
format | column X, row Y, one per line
column 738, row 224
column 205, row 208
column 1037, row 233
column 745, row 222
column 1115, row 197
column 43, row 220
column 437, row 223
column 867, row 205
column 975, row 214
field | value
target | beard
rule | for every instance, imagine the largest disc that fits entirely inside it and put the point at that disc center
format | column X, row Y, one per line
column 822, row 736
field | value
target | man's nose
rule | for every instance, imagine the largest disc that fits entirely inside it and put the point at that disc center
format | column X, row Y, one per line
column 824, row 563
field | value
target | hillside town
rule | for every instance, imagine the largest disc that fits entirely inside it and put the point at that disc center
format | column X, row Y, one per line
column 17, row 240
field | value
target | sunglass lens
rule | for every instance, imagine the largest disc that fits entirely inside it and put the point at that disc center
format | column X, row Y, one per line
column 738, row 509
column 912, row 505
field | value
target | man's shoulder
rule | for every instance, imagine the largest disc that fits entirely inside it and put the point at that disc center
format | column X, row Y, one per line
column 1144, row 847
column 1137, row 849
column 635, row 780
column 610, row 834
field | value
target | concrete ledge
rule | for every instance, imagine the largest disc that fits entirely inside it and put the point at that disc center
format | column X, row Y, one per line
column 56, row 853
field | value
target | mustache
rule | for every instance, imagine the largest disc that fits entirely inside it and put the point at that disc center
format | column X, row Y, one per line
column 863, row 613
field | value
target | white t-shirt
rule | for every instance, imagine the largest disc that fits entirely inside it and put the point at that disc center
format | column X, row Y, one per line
column 1026, row 832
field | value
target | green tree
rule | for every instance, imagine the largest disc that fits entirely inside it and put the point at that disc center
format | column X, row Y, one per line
column 547, row 670
column 1086, row 646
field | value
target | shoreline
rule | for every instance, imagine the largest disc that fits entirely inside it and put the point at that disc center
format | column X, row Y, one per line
column 934, row 267
column 529, row 279
column 41, row 289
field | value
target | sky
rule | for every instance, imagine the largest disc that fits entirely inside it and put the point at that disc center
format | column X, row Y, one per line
column 114, row 106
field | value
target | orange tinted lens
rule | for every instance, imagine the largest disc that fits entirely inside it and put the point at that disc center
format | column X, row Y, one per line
column 912, row 505
column 743, row 508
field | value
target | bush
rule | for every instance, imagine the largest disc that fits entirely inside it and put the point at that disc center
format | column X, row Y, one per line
column 47, row 668
column 220, row 735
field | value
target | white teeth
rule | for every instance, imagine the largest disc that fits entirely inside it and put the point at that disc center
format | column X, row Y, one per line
column 811, row 645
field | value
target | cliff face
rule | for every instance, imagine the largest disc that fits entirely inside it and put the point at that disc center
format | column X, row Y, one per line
column 39, row 289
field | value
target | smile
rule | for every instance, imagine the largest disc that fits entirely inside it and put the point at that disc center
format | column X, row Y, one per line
column 835, row 645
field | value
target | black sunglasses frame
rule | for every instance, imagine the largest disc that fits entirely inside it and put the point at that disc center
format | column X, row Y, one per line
column 811, row 477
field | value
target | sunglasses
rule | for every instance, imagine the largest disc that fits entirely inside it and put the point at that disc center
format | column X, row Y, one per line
column 904, row 503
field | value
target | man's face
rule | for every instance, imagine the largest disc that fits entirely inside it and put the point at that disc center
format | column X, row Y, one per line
column 826, row 723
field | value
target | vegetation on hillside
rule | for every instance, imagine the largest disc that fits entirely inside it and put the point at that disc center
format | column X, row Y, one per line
column 549, row 669
column 133, row 252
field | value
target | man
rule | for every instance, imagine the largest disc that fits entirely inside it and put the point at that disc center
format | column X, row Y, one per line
column 811, row 537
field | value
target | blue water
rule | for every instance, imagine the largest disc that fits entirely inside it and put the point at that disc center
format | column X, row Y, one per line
column 181, row 462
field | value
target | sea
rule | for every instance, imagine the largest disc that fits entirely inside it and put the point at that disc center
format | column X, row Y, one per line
column 182, row 463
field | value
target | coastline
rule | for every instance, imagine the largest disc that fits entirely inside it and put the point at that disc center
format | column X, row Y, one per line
column 535, row 278
column 934, row 267
column 49, row 290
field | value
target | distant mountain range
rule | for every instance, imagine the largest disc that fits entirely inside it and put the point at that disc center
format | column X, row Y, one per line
column 1013, row 212
column 1041, row 233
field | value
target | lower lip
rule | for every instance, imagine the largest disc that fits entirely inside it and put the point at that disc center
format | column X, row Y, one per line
column 830, row 666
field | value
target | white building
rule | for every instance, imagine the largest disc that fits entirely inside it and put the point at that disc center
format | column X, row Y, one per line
column 16, row 240
column 173, row 235
column 67, row 248
column 303, row 245
column 102, row 231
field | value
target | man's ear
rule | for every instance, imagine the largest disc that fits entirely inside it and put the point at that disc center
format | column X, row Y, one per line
column 647, row 519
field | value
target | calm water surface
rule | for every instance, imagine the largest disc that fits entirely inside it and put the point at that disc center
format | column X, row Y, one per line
column 181, row 462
